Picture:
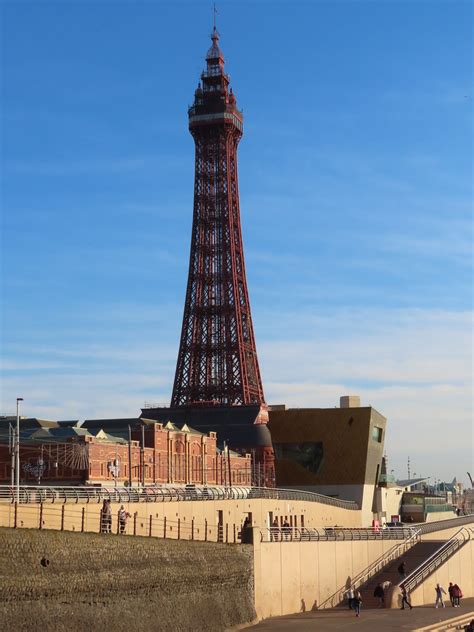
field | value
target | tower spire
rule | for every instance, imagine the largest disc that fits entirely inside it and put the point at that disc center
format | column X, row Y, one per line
column 217, row 359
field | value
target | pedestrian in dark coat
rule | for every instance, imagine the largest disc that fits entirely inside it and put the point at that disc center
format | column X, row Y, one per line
column 379, row 592
column 450, row 591
column 357, row 603
column 275, row 530
column 402, row 570
column 286, row 529
column 405, row 598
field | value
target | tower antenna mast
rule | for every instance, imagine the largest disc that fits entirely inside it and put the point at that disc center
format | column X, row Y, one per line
column 215, row 13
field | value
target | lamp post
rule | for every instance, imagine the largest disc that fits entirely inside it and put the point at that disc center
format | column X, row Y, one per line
column 17, row 450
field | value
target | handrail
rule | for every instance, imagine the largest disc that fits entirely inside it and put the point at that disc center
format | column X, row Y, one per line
column 439, row 525
column 436, row 559
column 290, row 533
column 375, row 566
column 65, row 494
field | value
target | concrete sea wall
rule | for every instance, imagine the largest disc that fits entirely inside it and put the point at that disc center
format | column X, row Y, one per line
column 295, row 576
column 58, row 581
column 193, row 519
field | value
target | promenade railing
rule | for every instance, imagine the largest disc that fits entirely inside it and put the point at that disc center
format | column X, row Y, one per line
column 165, row 493
column 431, row 527
column 293, row 534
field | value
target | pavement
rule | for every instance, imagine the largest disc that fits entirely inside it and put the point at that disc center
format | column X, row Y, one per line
column 422, row 618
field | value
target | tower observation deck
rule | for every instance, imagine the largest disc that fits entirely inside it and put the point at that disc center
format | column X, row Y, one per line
column 217, row 359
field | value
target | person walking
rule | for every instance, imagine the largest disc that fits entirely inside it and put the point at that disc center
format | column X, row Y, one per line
column 350, row 597
column 405, row 598
column 357, row 602
column 107, row 509
column 379, row 592
column 439, row 596
column 274, row 530
column 123, row 516
column 402, row 570
column 450, row 591
column 103, row 518
column 457, row 594
column 245, row 533
column 286, row 529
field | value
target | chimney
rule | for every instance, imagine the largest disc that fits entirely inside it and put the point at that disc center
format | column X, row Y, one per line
column 349, row 401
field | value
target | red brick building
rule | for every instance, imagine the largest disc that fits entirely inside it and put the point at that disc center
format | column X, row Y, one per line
column 155, row 455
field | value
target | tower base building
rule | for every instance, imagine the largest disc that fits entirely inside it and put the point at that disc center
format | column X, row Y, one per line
column 241, row 428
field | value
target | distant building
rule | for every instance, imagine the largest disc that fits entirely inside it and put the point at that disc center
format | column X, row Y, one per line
column 91, row 455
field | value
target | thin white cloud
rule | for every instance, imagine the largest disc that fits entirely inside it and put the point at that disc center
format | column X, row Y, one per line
column 414, row 366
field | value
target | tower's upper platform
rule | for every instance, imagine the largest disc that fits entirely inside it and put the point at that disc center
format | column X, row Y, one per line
column 214, row 101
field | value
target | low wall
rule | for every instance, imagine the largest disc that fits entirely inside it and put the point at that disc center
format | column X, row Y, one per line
column 292, row 576
column 434, row 516
column 191, row 516
column 111, row 583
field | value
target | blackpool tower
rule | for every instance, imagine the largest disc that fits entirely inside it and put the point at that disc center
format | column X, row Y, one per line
column 217, row 359
column 217, row 385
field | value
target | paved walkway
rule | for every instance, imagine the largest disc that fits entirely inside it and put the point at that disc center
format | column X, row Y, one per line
column 426, row 618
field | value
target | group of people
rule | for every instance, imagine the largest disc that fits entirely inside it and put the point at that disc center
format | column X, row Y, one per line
column 354, row 598
column 277, row 532
column 106, row 518
column 455, row 595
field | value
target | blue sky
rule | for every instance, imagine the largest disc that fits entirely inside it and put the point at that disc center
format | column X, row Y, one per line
column 356, row 199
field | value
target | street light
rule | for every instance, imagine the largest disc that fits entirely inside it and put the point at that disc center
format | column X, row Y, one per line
column 17, row 450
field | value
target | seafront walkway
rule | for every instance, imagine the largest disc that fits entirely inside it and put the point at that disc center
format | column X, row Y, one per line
column 422, row 618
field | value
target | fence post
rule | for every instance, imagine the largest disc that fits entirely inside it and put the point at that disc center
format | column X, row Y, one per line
column 179, row 528
column 205, row 530
column 41, row 517
column 15, row 516
column 192, row 529
column 62, row 516
column 164, row 528
column 150, row 527
column 135, row 523
column 83, row 519
column 227, row 533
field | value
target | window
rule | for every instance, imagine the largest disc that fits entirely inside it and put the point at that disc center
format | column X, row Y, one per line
column 377, row 434
column 308, row 455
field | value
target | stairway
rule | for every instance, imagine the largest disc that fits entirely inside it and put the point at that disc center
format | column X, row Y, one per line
column 412, row 558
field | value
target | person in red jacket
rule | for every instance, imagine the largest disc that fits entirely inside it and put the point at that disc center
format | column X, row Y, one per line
column 457, row 595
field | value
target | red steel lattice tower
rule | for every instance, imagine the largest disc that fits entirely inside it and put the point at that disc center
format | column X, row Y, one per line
column 217, row 359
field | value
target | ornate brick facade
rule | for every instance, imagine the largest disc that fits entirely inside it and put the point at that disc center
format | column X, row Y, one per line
column 169, row 455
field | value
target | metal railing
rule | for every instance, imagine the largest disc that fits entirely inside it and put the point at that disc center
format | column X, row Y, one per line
column 445, row 551
column 439, row 525
column 302, row 534
column 89, row 519
column 375, row 567
column 47, row 494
